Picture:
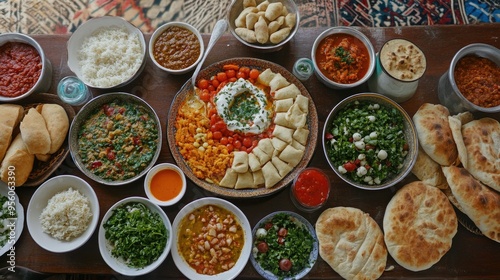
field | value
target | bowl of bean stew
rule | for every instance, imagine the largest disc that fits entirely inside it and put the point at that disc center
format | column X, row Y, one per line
column 176, row 47
column 24, row 68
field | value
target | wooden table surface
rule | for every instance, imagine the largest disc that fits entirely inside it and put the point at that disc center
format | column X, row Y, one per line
column 470, row 257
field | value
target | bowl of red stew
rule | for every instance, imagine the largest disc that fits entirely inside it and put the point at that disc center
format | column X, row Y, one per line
column 24, row 68
column 310, row 189
column 343, row 57
column 472, row 82
column 176, row 47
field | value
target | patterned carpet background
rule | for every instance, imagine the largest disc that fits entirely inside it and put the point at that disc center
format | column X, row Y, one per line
column 64, row 16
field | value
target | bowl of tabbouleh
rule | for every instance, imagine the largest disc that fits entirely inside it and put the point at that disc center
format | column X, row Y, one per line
column 370, row 141
column 135, row 236
column 115, row 138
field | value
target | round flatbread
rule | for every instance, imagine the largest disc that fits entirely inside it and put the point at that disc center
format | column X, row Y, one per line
column 434, row 133
column 419, row 225
column 480, row 203
column 482, row 142
column 351, row 242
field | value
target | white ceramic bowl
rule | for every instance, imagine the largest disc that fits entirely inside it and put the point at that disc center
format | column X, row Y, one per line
column 448, row 92
column 164, row 27
column 184, row 267
column 152, row 172
column 13, row 233
column 236, row 7
column 85, row 30
column 313, row 256
column 115, row 263
column 39, row 201
column 409, row 131
column 44, row 81
column 350, row 31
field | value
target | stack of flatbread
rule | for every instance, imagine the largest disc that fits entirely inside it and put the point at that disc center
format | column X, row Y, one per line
column 42, row 131
column 461, row 155
column 351, row 242
column 274, row 157
column 419, row 225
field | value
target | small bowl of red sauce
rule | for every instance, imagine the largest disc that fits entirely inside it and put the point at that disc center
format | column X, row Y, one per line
column 24, row 68
column 176, row 47
column 472, row 82
column 343, row 57
column 310, row 189
column 165, row 184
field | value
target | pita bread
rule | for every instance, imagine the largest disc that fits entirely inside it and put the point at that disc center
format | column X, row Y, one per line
column 419, row 225
column 428, row 171
column 480, row 203
column 434, row 133
column 456, row 131
column 482, row 142
column 9, row 119
column 18, row 157
column 34, row 133
column 351, row 242
column 57, row 123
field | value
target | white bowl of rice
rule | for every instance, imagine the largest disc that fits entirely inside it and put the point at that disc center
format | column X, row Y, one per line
column 106, row 52
column 63, row 214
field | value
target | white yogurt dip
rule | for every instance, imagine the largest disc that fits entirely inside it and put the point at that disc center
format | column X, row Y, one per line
column 243, row 107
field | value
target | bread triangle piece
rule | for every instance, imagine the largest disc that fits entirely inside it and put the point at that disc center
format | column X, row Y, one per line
column 480, row 203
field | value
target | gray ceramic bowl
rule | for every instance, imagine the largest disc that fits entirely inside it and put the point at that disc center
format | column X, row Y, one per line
column 409, row 133
column 448, row 92
column 236, row 8
column 350, row 31
column 45, row 79
column 87, row 29
column 87, row 111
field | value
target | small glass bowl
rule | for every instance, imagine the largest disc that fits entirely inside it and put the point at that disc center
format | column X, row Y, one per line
column 310, row 192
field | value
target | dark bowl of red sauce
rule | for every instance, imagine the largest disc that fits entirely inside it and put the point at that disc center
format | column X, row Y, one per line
column 310, row 189
column 24, row 69
column 343, row 57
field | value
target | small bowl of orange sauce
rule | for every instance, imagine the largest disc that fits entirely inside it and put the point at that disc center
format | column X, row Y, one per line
column 165, row 184
column 310, row 189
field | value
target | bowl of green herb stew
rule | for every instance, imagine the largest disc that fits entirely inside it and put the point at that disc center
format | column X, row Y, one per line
column 115, row 138
column 284, row 246
column 370, row 141
column 135, row 236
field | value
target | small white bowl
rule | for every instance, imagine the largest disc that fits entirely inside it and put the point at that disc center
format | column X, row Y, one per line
column 45, row 80
column 39, row 201
column 348, row 31
column 164, row 27
column 87, row 29
column 115, row 263
column 184, row 267
column 149, row 177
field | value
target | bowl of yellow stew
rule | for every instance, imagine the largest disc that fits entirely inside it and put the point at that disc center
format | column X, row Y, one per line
column 212, row 239
column 115, row 138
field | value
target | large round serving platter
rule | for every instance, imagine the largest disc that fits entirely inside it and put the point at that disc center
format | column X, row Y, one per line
column 312, row 121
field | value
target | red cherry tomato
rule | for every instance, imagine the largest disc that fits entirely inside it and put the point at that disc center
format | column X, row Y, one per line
column 254, row 74
column 350, row 166
column 217, row 135
column 247, row 142
column 203, row 84
column 282, row 232
column 285, row 264
column 262, row 247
